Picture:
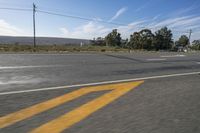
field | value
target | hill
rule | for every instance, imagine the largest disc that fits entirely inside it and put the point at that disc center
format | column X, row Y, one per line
column 42, row 40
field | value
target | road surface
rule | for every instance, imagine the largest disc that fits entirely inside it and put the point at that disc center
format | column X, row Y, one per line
column 100, row 93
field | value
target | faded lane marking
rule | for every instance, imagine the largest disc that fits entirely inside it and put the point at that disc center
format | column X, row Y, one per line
column 23, row 67
column 101, row 83
column 117, row 90
column 171, row 56
column 156, row 59
column 198, row 63
column 20, row 80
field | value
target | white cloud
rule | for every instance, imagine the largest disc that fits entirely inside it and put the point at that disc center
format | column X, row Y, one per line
column 95, row 29
column 187, row 22
column 195, row 35
column 86, row 31
column 9, row 30
column 96, row 19
column 118, row 13
column 156, row 17
column 130, row 28
column 179, row 25
column 170, row 21
column 184, row 11
column 143, row 6
column 64, row 31
column 183, row 23
column 140, row 8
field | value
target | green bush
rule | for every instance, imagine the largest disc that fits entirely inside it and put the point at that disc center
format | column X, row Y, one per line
column 56, row 48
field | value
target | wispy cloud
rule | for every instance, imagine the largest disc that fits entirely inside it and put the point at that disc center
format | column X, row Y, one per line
column 94, row 29
column 131, row 27
column 64, row 31
column 156, row 17
column 178, row 25
column 179, row 21
column 86, row 31
column 9, row 30
column 118, row 13
column 184, row 22
column 187, row 22
column 184, row 11
column 143, row 6
column 168, row 22
column 140, row 8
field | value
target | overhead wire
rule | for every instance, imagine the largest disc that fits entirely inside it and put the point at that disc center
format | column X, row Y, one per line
column 16, row 9
column 74, row 17
column 82, row 18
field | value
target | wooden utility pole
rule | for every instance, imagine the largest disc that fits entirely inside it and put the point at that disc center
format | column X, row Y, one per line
column 190, row 33
column 34, row 38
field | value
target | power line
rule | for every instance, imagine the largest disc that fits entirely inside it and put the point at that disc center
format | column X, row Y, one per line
column 64, row 15
column 78, row 17
column 15, row 9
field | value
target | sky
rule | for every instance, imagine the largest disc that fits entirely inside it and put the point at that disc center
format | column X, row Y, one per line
column 178, row 15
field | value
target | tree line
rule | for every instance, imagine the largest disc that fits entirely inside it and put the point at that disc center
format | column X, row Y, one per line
column 147, row 40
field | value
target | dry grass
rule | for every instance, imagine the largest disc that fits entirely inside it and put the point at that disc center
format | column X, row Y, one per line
column 58, row 48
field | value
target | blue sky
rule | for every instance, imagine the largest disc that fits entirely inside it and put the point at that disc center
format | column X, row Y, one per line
column 178, row 15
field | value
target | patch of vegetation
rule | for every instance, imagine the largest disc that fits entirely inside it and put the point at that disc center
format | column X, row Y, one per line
column 195, row 45
column 57, row 48
column 145, row 39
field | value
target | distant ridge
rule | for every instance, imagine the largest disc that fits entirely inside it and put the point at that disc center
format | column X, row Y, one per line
column 42, row 40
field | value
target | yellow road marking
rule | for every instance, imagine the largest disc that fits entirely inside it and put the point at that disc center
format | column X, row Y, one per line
column 78, row 114
column 38, row 108
column 44, row 106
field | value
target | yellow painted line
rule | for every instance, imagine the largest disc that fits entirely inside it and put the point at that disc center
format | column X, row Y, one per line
column 44, row 106
column 78, row 114
column 38, row 108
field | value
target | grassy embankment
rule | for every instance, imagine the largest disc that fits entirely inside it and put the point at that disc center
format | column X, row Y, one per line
column 58, row 48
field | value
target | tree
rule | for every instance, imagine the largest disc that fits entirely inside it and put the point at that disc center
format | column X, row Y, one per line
column 163, row 39
column 124, row 43
column 134, row 42
column 98, row 42
column 113, row 38
column 142, row 40
column 183, row 41
column 196, row 44
column 146, row 39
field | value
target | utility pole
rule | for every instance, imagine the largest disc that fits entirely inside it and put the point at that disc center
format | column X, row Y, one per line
column 190, row 33
column 34, row 39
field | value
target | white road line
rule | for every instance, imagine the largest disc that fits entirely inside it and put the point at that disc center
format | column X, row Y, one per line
column 15, row 82
column 156, row 59
column 22, row 67
column 100, row 83
column 21, row 80
column 198, row 63
column 171, row 56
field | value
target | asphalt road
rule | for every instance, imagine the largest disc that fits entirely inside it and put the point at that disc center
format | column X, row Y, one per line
column 158, row 105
